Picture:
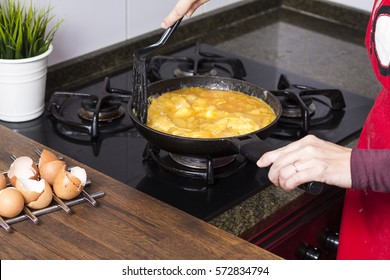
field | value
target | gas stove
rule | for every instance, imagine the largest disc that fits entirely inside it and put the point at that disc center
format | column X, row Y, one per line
column 107, row 141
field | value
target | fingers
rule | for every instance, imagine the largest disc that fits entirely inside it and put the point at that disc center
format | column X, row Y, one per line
column 195, row 6
column 182, row 8
column 294, row 174
column 284, row 169
column 283, row 175
column 281, row 153
column 307, row 160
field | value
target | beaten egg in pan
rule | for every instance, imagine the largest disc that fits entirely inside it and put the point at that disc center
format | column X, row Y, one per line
column 208, row 113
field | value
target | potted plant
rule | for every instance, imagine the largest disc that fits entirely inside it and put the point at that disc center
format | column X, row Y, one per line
column 25, row 44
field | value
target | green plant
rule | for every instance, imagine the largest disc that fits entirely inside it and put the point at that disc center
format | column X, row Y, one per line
column 24, row 31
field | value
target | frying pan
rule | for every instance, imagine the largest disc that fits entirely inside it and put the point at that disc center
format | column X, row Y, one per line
column 250, row 145
column 209, row 147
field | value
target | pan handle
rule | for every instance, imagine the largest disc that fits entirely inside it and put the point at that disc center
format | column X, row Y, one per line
column 253, row 148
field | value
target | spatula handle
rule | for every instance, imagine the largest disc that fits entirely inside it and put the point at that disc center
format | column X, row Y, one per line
column 143, row 53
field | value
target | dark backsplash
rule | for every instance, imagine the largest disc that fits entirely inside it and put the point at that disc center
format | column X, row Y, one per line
column 213, row 28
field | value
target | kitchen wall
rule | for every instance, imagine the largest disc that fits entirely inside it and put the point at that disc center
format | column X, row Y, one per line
column 364, row 5
column 90, row 25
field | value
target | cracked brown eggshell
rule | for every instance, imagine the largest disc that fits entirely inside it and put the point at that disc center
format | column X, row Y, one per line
column 31, row 189
column 69, row 184
column 46, row 156
column 44, row 199
column 22, row 167
column 3, row 181
column 49, row 170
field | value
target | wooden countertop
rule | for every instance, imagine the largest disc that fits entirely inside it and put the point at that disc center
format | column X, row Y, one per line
column 126, row 224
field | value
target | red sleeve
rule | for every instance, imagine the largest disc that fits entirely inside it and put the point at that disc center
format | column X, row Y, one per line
column 370, row 169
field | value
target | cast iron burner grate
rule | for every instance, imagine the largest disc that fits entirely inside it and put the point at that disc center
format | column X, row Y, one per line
column 205, row 177
column 84, row 114
column 304, row 107
column 199, row 63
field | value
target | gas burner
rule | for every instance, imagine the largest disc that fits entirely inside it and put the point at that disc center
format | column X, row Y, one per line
column 304, row 106
column 208, row 170
column 202, row 163
column 84, row 114
column 291, row 109
column 199, row 63
column 187, row 70
column 109, row 110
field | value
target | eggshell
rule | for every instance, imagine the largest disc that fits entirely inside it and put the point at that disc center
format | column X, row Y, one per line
column 66, row 185
column 11, row 202
column 30, row 189
column 22, row 167
column 46, row 156
column 44, row 199
column 79, row 173
column 3, row 181
column 49, row 170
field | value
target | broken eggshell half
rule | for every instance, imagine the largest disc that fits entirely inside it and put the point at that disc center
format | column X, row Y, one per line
column 31, row 189
column 22, row 167
column 44, row 199
column 3, row 181
column 49, row 170
column 69, row 184
column 46, row 156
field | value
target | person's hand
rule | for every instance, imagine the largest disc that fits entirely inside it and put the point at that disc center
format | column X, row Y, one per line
column 181, row 9
column 306, row 160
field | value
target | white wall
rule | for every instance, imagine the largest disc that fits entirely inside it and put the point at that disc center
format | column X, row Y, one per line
column 146, row 15
column 90, row 25
column 364, row 5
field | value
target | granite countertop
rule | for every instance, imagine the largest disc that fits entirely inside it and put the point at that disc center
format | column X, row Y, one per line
column 313, row 38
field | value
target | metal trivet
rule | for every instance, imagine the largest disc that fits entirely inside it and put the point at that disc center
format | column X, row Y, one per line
column 56, row 204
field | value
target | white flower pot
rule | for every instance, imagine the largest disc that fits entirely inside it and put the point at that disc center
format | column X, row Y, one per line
column 22, row 87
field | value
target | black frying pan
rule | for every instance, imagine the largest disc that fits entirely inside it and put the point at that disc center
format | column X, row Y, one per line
column 249, row 145
column 207, row 147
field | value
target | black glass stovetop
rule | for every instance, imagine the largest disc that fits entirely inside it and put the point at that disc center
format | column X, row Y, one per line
column 121, row 155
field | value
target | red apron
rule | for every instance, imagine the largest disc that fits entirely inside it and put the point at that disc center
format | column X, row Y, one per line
column 365, row 225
